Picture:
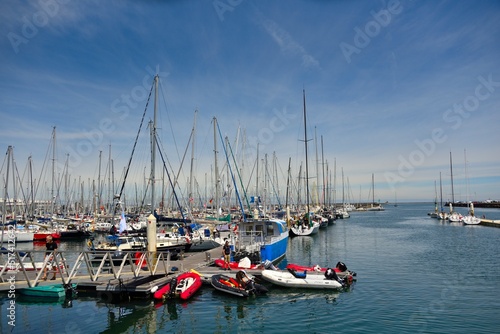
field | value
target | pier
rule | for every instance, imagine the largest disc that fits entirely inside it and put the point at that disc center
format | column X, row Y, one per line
column 135, row 276
column 490, row 222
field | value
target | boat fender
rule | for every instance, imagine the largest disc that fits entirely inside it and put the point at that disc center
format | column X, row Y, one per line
column 195, row 272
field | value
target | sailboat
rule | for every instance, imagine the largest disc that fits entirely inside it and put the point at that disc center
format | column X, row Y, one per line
column 374, row 207
column 435, row 214
column 262, row 240
column 442, row 215
column 306, row 226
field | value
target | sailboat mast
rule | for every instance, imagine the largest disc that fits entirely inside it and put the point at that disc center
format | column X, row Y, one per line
column 317, row 168
column 323, row 172
column 153, row 146
column 53, row 199
column 6, row 184
column 307, row 165
column 191, row 171
column 451, row 173
column 216, row 170
column 373, row 189
column 441, row 192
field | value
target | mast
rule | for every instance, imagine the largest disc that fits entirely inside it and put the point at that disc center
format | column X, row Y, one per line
column 191, row 195
column 323, row 168
column 6, row 184
column 286, row 196
column 451, row 173
column 216, row 170
column 99, row 190
column 373, row 189
column 441, row 192
column 153, row 146
column 52, row 192
column 307, row 165
column 257, row 183
column 317, row 166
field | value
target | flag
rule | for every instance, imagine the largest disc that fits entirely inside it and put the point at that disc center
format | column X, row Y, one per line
column 123, row 223
column 252, row 199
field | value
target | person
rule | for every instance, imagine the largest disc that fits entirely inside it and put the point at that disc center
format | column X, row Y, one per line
column 226, row 252
column 50, row 246
column 244, row 281
column 112, row 230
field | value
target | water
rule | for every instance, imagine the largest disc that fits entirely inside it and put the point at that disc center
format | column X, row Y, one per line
column 415, row 275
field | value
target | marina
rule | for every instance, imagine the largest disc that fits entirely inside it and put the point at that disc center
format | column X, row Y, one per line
column 395, row 254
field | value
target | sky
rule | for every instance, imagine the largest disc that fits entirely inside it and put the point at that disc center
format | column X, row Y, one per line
column 393, row 89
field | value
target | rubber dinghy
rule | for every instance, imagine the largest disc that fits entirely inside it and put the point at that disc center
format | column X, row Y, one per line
column 291, row 279
column 183, row 286
column 242, row 264
column 236, row 287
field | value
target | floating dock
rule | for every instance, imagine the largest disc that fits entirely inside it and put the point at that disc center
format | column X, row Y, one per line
column 116, row 281
column 490, row 222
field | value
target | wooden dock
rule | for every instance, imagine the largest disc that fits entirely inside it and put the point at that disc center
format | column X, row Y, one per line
column 121, row 281
column 490, row 222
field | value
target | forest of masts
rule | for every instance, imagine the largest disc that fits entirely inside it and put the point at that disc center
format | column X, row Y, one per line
column 267, row 185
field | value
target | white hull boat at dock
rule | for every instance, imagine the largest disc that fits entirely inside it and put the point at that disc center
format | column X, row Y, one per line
column 290, row 279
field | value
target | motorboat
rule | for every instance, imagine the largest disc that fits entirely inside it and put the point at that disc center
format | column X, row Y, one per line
column 261, row 240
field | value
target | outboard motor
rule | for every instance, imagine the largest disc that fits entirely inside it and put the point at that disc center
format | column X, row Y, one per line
column 341, row 266
column 331, row 274
column 269, row 265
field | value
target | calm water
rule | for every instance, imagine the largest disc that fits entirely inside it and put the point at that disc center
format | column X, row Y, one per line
column 415, row 275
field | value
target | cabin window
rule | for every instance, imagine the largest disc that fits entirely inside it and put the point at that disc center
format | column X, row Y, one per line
column 270, row 229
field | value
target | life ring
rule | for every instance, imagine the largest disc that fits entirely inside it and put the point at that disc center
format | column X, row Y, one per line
column 89, row 243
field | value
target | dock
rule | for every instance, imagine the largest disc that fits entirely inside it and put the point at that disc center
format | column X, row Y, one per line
column 490, row 222
column 107, row 279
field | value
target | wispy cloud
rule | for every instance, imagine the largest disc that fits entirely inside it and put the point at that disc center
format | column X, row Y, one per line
column 287, row 43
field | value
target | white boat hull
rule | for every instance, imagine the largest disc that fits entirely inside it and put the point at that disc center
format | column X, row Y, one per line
column 471, row 220
column 304, row 231
column 288, row 280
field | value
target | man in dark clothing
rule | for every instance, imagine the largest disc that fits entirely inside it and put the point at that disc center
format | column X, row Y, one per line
column 50, row 246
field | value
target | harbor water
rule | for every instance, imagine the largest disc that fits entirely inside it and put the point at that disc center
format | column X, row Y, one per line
column 415, row 274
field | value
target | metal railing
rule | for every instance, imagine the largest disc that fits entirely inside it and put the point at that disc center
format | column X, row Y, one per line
column 82, row 265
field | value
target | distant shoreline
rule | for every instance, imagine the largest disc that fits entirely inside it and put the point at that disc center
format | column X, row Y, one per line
column 492, row 205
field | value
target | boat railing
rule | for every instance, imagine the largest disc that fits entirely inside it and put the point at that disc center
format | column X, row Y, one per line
column 30, row 266
column 251, row 238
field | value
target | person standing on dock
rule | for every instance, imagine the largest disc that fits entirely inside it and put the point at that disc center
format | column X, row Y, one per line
column 50, row 246
column 226, row 252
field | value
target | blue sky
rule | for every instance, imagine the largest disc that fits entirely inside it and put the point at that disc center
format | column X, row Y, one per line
column 392, row 87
